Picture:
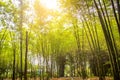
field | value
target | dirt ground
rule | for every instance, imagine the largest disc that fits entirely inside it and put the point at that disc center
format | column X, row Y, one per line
column 67, row 78
column 78, row 78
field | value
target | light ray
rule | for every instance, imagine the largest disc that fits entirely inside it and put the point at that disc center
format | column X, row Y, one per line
column 50, row 4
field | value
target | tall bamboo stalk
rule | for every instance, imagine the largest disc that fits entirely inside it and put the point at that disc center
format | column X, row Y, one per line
column 115, row 14
column 21, row 51
column 25, row 73
column 110, row 46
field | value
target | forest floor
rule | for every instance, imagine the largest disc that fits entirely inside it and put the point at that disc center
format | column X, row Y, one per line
column 78, row 78
column 67, row 78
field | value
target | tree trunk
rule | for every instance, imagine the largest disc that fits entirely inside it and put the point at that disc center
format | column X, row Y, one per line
column 25, row 73
column 61, row 70
column 21, row 20
column 112, row 52
column 14, row 60
column 115, row 15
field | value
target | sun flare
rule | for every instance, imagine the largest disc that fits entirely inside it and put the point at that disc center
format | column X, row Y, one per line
column 50, row 4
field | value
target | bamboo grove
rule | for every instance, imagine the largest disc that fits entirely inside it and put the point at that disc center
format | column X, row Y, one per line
column 81, row 38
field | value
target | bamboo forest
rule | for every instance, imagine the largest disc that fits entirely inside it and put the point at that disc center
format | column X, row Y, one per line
column 59, row 39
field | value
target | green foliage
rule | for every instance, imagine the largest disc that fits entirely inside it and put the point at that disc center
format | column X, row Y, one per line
column 70, row 40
